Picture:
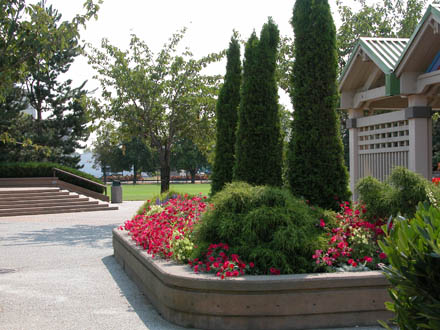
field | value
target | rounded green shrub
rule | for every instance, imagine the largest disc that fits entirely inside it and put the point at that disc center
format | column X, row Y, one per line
column 264, row 225
column 413, row 250
column 400, row 194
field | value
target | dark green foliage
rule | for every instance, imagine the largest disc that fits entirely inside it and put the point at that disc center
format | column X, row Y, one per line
column 137, row 156
column 61, row 123
column 413, row 250
column 400, row 194
column 265, row 225
column 33, row 170
column 316, row 161
column 435, row 143
column 259, row 144
column 226, row 115
column 187, row 156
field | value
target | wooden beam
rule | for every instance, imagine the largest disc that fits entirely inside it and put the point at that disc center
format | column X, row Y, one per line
column 424, row 81
column 370, row 95
column 374, row 75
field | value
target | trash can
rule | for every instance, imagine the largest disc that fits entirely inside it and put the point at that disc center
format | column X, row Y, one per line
column 116, row 192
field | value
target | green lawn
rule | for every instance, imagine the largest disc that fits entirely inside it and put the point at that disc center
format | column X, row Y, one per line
column 142, row 192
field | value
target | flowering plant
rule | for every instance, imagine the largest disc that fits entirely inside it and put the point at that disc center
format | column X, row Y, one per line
column 165, row 230
column 352, row 243
column 219, row 261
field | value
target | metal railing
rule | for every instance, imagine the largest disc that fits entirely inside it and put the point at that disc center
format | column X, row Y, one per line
column 80, row 178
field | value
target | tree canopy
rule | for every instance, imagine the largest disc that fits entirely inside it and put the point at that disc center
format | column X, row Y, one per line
column 36, row 47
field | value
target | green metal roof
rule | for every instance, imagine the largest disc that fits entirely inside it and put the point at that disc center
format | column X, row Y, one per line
column 432, row 9
column 384, row 52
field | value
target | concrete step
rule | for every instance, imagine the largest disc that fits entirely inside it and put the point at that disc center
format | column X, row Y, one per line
column 28, row 201
column 61, row 195
column 35, row 200
column 51, row 210
column 48, row 203
column 4, row 191
column 33, row 194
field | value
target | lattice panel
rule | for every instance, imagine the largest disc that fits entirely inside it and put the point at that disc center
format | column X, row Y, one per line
column 382, row 147
column 383, row 137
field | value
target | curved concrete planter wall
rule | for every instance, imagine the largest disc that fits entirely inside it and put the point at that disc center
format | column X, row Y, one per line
column 254, row 302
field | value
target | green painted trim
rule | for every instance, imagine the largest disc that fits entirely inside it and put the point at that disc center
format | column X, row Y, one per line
column 435, row 11
column 392, row 85
column 350, row 60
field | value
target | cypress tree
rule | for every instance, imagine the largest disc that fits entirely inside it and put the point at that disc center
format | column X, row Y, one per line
column 316, row 161
column 226, row 114
column 259, row 144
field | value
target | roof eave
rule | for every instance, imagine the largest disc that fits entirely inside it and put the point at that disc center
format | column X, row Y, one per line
column 431, row 10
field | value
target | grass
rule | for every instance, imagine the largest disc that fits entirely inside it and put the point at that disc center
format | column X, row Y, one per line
column 142, row 192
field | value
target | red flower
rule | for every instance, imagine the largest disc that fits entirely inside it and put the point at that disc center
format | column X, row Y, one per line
column 382, row 255
column 321, row 223
column 274, row 271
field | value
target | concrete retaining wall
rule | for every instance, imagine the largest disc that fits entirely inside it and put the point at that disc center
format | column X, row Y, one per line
column 304, row 301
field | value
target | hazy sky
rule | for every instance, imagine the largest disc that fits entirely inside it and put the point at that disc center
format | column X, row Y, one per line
column 210, row 24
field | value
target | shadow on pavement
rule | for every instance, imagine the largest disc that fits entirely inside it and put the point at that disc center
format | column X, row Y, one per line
column 84, row 235
column 138, row 302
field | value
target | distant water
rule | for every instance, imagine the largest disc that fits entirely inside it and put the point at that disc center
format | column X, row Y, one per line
column 87, row 161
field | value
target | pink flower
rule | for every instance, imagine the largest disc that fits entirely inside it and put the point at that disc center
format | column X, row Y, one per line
column 274, row 271
column 321, row 223
column 382, row 255
column 368, row 259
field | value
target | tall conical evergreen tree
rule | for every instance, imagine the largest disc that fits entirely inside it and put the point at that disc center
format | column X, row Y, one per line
column 227, row 114
column 316, row 162
column 259, row 145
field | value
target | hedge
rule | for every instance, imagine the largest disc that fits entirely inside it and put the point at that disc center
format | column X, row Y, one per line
column 34, row 169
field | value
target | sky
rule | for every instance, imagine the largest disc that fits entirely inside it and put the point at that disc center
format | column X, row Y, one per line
column 210, row 24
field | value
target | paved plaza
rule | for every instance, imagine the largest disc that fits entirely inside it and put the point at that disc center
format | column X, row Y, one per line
column 58, row 272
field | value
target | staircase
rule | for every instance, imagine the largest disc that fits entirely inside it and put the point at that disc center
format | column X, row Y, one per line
column 31, row 201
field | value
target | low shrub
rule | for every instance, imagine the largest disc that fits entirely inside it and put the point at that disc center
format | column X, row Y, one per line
column 400, row 194
column 413, row 249
column 264, row 225
column 34, row 169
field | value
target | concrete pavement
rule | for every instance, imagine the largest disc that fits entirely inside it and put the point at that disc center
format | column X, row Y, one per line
column 58, row 272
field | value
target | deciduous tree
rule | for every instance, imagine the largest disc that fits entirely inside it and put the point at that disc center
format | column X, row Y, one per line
column 159, row 97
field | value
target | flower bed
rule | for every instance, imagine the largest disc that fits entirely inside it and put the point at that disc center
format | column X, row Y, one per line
column 205, row 301
column 214, row 292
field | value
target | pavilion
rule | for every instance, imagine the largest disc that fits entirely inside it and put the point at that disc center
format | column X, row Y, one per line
column 390, row 87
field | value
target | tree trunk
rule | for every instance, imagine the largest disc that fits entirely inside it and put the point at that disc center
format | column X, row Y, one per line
column 134, row 173
column 164, row 170
column 193, row 175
